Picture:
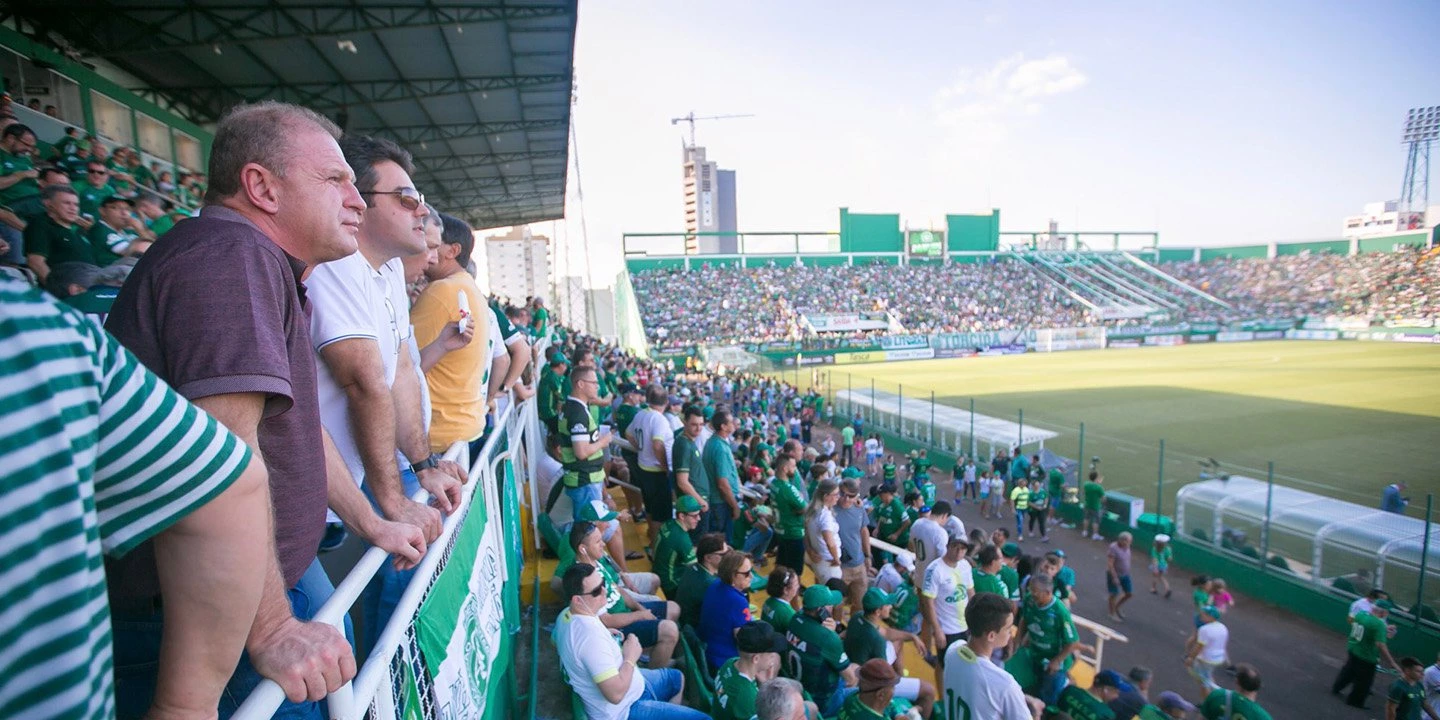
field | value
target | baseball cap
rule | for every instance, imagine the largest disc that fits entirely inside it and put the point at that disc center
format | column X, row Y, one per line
column 906, row 560
column 1109, row 678
column 597, row 511
column 111, row 200
column 875, row 598
column 675, row 400
column 757, row 636
column 687, row 504
column 559, row 359
column 1010, row 550
column 1057, row 552
column 1170, row 700
column 1162, row 538
column 819, row 596
column 876, row 674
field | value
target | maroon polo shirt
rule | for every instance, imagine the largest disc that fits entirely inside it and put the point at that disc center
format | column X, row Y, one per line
column 216, row 307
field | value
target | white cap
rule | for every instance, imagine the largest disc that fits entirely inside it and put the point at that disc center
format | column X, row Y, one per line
column 1162, row 538
column 906, row 560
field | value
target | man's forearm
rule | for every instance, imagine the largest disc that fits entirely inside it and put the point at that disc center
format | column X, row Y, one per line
column 38, row 266
column 211, row 574
column 344, row 495
column 410, row 435
column 11, row 179
column 682, row 483
column 499, row 368
column 372, row 420
column 519, row 353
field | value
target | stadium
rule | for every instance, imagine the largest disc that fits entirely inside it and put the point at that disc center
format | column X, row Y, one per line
column 307, row 417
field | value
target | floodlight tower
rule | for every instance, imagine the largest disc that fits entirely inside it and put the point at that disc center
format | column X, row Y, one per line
column 1422, row 128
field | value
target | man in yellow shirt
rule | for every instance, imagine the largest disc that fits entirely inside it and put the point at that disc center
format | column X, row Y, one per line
column 457, row 379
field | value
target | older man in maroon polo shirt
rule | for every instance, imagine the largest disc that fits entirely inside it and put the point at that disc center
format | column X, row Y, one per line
column 217, row 309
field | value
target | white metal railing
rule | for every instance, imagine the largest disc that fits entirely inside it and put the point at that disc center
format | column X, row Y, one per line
column 518, row 424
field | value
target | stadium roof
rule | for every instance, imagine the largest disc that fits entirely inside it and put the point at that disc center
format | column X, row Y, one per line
column 479, row 92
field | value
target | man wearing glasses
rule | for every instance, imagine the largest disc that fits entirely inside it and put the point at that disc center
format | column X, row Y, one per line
column 19, row 189
column 584, row 455
column 94, row 190
column 369, row 393
column 604, row 669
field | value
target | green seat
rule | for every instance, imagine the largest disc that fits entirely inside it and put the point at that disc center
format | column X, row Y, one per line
column 1280, row 563
column 1425, row 612
column 549, row 534
column 1250, row 552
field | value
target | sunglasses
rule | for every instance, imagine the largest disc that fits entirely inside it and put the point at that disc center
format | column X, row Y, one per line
column 98, row 172
column 409, row 199
column 597, row 592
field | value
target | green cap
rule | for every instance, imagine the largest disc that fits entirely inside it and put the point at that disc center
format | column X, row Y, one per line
column 819, row 596
column 708, row 412
column 875, row 598
column 1384, row 605
column 1010, row 550
column 597, row 511
column 687, row 504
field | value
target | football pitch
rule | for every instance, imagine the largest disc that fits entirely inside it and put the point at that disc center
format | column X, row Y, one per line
column 1343, row 419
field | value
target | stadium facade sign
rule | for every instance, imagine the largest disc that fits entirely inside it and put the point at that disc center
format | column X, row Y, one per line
column 923, row 353
column 1307, row 334
column 975, row 340
column 847, row 322
column 1165, row 340
column 900, row 342
column 867, row 356
column 1234, row 336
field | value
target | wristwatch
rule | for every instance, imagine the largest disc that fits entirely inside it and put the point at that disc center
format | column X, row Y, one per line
column 428, row 463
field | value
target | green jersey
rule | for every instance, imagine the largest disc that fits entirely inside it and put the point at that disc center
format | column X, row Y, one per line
column 720, row 466
column 778, row 613
column 920, row 466
column 1408, row 699
column 816, row 656
column 611, row 574
column 1057, row 483
column 91, row 197
column 1225, row 704
column 985, row 582
column 907, row 605
column 735, row 693
column 1011, row 577
column 847, row 435
column 924, row 487
column 1200, row 598
column 690, row 593
column 1094, row 496
column 1039, row 498
column 1162, row 556
column 863, row 641
column 1048, row 629
column 685, row 454
column 580, row 425
column 549, row 392
column 162, row 225
column 790, row 506
column 1083, row 706
column 673, row 551
column 624, row 415
column 888, row 472
column 11, row 164
column 1366, row 634
column 1020, row 498
column 855, row 709
column 890, row 519
column 108, row 244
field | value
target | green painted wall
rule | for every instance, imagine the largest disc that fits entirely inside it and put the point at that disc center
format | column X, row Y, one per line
column 877, row 259
column 870, row 233
column 1177, row 254
column 1388, row 242
column 1239, row 251
column 1337, row 247
column 635, row 265
column 973, row 232
column 824, row 260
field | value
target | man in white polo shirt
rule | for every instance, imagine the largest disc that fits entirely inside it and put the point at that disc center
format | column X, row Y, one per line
column 602, row 669
column 652, row 437
column 978, row 686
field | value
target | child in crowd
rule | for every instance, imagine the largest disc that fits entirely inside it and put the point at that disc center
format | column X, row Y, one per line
column 1201, row 595
column 985, row 508
column 1220, row 596
column 1160, row 555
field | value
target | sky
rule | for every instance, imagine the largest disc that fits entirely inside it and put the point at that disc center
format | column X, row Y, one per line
column 1213, row 123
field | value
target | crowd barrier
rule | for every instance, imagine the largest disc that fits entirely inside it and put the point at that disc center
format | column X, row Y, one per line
column 446, row 651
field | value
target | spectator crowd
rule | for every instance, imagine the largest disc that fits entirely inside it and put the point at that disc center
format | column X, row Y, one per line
column 729, row 304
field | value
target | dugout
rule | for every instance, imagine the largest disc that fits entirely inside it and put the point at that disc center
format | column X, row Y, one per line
column 1337, row 545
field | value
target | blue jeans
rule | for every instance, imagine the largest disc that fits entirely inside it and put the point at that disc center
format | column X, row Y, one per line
column 654, row 703
column 757, row 540
column 1052, row 685
column 718, row 519
column 16, row 254
column 137, row 656
column 383, row 593
column 1019, row 523
column 583, row 495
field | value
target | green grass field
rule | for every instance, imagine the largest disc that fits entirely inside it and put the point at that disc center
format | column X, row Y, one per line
column 1342, row 419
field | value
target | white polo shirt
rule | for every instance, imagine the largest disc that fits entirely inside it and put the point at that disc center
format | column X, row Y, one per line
column 950, row 588
column 352, row 300
column 591, row 655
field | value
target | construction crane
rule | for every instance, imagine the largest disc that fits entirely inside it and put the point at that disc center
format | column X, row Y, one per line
column 690, row 118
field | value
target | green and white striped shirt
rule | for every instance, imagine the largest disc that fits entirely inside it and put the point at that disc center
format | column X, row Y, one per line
column 98, row 456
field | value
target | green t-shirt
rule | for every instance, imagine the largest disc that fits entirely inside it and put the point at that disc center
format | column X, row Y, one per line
column 1200, row 598
column 847, row 435
column 624, row 415
column 690, row 593
column 1408, row 699
column 1083, row 706
column 1057, row 483
column 816, row 656
column 1366, row 634
column 1241, row 707
column 11, row 164
column 686, row 456
column 46, row 238
column 673, row 551
column 720, row 466
column 91, row 197
column 907, row 604
column 790, row 507
column 1162, row 556
column 863, row 641
column 1011, row 577
column 735, row 693
column 985, row 582
column 1020, row 498
column 920, row 466
column 611, row 574
column 1094, row 496
column 1048, row 629
column 1039, row 498
column 162, row 225
column 924, row 487
column 579, row 424
column 888, row 472
column 778, row 613
column 855, row 709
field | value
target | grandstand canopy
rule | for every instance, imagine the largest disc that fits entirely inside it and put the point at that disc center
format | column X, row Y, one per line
column 479, row 92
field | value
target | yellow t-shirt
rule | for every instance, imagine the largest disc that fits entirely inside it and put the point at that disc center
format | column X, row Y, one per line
column 458, row 382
